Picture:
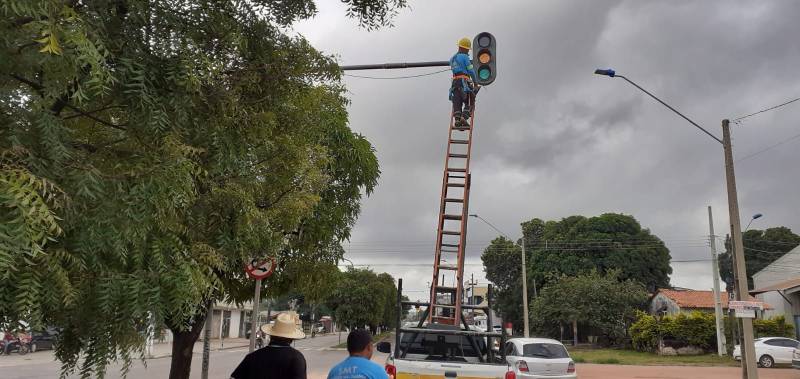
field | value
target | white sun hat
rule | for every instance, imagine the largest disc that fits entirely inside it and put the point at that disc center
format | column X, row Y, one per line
column 284, row 327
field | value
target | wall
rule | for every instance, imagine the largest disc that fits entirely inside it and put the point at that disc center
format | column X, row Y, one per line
column 236, row 316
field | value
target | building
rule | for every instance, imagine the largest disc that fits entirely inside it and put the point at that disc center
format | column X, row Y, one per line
column 779, row 285
column 670, row 302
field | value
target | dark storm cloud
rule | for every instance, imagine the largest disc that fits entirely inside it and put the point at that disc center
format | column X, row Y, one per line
column 555, row 140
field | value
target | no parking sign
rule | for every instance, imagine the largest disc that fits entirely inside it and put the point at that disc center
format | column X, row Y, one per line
column 260, row 270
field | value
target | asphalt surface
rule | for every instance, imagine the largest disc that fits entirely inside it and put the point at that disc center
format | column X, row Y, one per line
column 319, row 358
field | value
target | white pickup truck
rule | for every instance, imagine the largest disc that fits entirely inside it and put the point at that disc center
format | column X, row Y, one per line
column 434, row 351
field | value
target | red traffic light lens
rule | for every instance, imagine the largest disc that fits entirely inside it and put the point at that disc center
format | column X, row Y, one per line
column 484, row 41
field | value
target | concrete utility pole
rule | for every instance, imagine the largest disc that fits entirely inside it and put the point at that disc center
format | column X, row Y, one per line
column 524, row 291
column 207, row 341
column 748, row 349
column 254, row 316
column 717, row 301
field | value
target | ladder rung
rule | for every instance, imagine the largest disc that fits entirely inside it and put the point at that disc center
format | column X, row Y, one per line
column 450, row 245
column 453, row 169
column 453, row 155
column 451, row 232
column 459, row 141
column 461, row 128
column 452, row 200
column 449, row 251
column 452, row 217
column 455, row 184
column 447, row 267
column 445, row 306
column 456, row 176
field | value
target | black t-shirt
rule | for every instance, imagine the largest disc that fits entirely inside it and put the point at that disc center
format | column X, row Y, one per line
column 275, row 361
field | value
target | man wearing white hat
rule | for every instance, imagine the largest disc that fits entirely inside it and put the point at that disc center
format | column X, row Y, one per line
column 278, row 360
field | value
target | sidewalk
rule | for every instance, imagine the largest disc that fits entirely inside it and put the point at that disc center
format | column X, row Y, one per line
column 163, row 350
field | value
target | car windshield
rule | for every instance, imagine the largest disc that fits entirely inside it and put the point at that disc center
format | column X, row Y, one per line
column 544, row 350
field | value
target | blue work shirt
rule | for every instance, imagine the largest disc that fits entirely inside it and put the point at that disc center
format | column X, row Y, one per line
column 357, row 368
column 462, row 65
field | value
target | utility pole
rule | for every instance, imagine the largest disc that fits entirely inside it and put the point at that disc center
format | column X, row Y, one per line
column 748, row 348
column 207, row 341
column 524, row 291
column 717, row 301
column 254, row 317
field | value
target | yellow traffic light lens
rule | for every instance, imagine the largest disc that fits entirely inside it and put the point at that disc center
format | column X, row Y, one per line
column 484, row 57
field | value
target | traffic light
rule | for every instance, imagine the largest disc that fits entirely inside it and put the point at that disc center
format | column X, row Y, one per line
column 484, row 57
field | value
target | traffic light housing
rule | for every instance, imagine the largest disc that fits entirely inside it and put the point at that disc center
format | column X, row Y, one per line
column 484, row 58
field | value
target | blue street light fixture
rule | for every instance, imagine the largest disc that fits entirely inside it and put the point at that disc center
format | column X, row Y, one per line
column 755, row 216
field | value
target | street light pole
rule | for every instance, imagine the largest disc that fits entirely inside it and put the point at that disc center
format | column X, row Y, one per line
column 523, row 274
column 748, row 347
column 715, row 273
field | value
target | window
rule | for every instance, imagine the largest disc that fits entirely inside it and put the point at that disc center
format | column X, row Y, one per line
column 774, row 342
column 789, row 343
column 544, row 350
column 510, row 349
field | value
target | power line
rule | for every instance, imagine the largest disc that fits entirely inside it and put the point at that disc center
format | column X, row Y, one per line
column 770, row 147
column 396, row 77
column 765, row 110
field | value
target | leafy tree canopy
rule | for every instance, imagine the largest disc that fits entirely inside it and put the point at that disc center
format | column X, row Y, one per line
column 363, row 298
column 761, row 248
column 600, row 301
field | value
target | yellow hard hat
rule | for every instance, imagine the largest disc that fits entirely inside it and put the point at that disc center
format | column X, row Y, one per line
column 465, row 43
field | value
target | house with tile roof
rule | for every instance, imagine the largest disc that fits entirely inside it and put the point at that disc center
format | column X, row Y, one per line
column 674, row 301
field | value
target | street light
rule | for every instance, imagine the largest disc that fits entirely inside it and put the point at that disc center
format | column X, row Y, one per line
column 748, row 347
column 523, row 275
column 755, row 216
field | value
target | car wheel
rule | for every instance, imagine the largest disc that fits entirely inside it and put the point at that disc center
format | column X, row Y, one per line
column 766, row 361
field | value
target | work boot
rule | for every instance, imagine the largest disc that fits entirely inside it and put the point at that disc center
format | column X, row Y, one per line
column 456, row 119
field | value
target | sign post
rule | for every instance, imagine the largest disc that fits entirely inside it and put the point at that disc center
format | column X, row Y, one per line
column 746, row 309
column 258, row 271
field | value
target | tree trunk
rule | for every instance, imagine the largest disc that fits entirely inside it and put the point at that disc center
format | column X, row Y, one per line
column 182, row 346
column 574, row 332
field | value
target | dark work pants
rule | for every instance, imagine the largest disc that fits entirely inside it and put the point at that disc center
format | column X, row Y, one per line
column 461, row 100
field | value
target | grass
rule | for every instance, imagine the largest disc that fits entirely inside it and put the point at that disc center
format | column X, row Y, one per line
column 375, row 338
column 629, row 357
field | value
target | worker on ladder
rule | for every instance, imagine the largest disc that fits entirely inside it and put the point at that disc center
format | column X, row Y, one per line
column 463, row 87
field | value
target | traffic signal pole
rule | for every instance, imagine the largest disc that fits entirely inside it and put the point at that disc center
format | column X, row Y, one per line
column 389, row 66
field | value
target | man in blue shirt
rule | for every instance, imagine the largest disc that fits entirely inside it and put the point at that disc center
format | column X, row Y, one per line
column 358, row 365
column 463, row 87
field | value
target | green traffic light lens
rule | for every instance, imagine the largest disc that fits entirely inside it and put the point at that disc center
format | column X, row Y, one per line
column 484, row 73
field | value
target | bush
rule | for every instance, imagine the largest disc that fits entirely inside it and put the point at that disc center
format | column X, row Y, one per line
column 773, row 327
column 694, row 329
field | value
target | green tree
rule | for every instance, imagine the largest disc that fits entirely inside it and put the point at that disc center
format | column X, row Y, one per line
column 600, row 301
column 148, row 148
column 574, row 246
column 363, row 298
column 761, row 248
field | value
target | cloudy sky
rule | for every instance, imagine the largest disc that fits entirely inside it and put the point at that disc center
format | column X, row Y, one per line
column 554, row 140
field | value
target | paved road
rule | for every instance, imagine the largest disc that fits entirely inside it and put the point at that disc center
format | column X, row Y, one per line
column 591, row 371
column 319, row 356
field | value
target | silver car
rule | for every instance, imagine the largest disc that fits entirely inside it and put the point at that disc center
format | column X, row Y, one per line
column 533, row 358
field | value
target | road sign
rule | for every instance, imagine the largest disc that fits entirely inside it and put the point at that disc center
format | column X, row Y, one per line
column 746, row 313
column 260, row 270
column 745, row 305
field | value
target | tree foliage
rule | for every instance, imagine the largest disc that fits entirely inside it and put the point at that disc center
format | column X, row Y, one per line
column 574, row 246
column 761, row 248
column 600, row 301
column 694, row 329
column 149, row 148
column 363, row 298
